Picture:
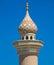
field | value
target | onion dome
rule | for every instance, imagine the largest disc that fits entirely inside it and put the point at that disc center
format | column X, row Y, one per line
column 27, row 25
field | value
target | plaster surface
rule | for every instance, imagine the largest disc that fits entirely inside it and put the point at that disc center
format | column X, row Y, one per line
column 28, row 60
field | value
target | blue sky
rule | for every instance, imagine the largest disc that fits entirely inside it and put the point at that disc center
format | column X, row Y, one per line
column 12, row 13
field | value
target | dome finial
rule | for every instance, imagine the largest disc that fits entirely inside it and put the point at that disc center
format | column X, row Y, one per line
column 26, row 6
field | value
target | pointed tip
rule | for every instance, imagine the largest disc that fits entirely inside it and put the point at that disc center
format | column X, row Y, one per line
column 26, row 6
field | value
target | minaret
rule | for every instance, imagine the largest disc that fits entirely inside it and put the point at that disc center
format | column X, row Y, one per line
column 28, row 47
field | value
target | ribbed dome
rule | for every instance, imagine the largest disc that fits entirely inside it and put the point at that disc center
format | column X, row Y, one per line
column 27, row 25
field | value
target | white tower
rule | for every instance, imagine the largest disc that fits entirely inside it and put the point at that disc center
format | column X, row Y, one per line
column 28, row 47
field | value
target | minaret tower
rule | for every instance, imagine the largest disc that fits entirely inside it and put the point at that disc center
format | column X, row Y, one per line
column 28, row 47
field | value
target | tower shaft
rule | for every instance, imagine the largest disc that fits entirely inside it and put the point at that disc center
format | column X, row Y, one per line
column 28, row 59
column 28, row 51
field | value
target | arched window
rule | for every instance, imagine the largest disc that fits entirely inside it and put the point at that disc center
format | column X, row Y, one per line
column 31, row 37
column 26, row 37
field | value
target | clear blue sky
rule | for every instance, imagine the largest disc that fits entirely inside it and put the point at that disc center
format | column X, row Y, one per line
column 11, row 14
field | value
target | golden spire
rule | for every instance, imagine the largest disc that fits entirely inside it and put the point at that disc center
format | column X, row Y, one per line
column 26, row 6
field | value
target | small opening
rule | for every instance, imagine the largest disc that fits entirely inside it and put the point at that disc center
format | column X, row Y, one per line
column 26, row 37
column 31, row 37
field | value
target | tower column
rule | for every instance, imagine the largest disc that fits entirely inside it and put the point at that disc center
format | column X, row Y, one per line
column 28, row 51
column 28, row 60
